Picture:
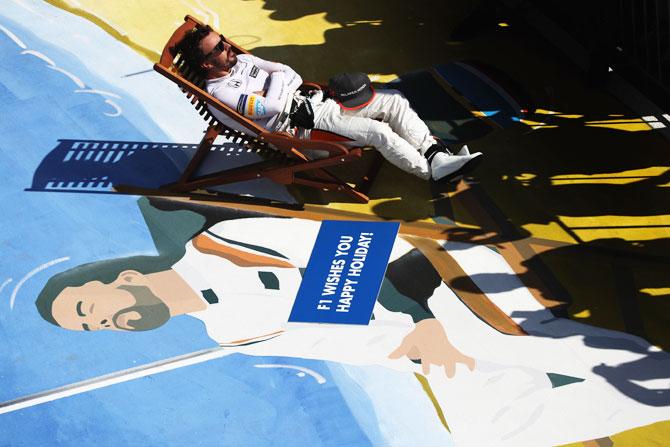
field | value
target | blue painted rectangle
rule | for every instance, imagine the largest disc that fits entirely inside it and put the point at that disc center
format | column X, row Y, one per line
column 344, row 273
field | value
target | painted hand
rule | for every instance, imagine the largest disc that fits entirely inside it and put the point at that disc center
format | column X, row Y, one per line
column 429, row 343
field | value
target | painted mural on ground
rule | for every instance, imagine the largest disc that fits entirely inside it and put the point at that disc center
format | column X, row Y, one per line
column 219, row 363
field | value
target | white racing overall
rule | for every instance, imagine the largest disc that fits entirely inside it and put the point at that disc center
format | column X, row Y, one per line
column 387, row 123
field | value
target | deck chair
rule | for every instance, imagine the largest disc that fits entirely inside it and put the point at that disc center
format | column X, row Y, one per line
column 290, row 161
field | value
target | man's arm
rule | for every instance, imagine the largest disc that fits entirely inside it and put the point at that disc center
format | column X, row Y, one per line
column 283, row 82
column 255, row 105
column 292, row 79
column 265, row 104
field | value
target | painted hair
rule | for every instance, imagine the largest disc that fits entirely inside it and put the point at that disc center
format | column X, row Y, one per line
column 170, row 228
column 104, row 271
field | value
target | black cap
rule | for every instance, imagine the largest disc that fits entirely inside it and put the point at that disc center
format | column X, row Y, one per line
column 351, row 90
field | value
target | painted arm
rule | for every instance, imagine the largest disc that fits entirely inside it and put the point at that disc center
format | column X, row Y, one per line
column 391, row 299
column 410, row 281
column 208, row 244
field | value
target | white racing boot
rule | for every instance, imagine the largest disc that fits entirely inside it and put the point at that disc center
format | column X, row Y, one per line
column 463, row 150
column 445, row 167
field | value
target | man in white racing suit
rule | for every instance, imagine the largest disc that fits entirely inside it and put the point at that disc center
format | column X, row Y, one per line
column 268, row 93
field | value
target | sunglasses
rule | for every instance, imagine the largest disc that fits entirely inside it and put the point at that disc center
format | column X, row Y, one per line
column 218, row 48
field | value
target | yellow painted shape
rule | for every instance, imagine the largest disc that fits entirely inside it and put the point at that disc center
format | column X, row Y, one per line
column 626, row 124
column 656, row 291
column 614, row 178
column 429, row 392
column 628, row 127
column 546, row 112
column 621, row 121
column 643, row 172
column 614, row 221
column 653, row 435
column 544, row 127
column 503, row 24
column 532, row 123
column 525, row 177
column 149, row 23
column 656, row 434
column 551, row 231
column 604, row 181
column 572, row 116
column 365, row 22
column 639, row 228
column 465, row 225
column 378, row 77
column 583, row 314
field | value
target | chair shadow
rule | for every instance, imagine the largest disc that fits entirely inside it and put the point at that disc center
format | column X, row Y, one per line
column 92, row 166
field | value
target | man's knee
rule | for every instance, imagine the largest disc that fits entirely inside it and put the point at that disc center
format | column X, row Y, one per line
column 397, row 100
column 380, row 134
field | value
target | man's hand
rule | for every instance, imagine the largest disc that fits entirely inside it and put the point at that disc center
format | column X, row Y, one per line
column 429, row 343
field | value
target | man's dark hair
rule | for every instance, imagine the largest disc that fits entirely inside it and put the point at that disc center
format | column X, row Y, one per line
column 189, row 47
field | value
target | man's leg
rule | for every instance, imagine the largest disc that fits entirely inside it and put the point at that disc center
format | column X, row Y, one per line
column 370, row 132
column 405, row 140
column 391, row 107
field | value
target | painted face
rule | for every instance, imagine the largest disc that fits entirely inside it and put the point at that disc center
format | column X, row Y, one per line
column 116, row 306
column 218, row 52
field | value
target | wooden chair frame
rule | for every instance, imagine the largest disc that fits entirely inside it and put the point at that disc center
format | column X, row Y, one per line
column 292, row 166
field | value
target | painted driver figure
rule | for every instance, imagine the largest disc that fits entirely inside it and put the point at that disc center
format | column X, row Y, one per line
column 240, row 278
column 244, row 293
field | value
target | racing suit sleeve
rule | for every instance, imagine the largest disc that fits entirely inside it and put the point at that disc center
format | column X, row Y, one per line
column 292, row 79
column 283, row 82
column 257, row 106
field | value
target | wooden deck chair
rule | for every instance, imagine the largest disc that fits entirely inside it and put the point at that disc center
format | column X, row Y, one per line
column 291, row 162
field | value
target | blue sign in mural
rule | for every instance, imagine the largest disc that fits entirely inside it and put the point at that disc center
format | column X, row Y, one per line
column 344, row 273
